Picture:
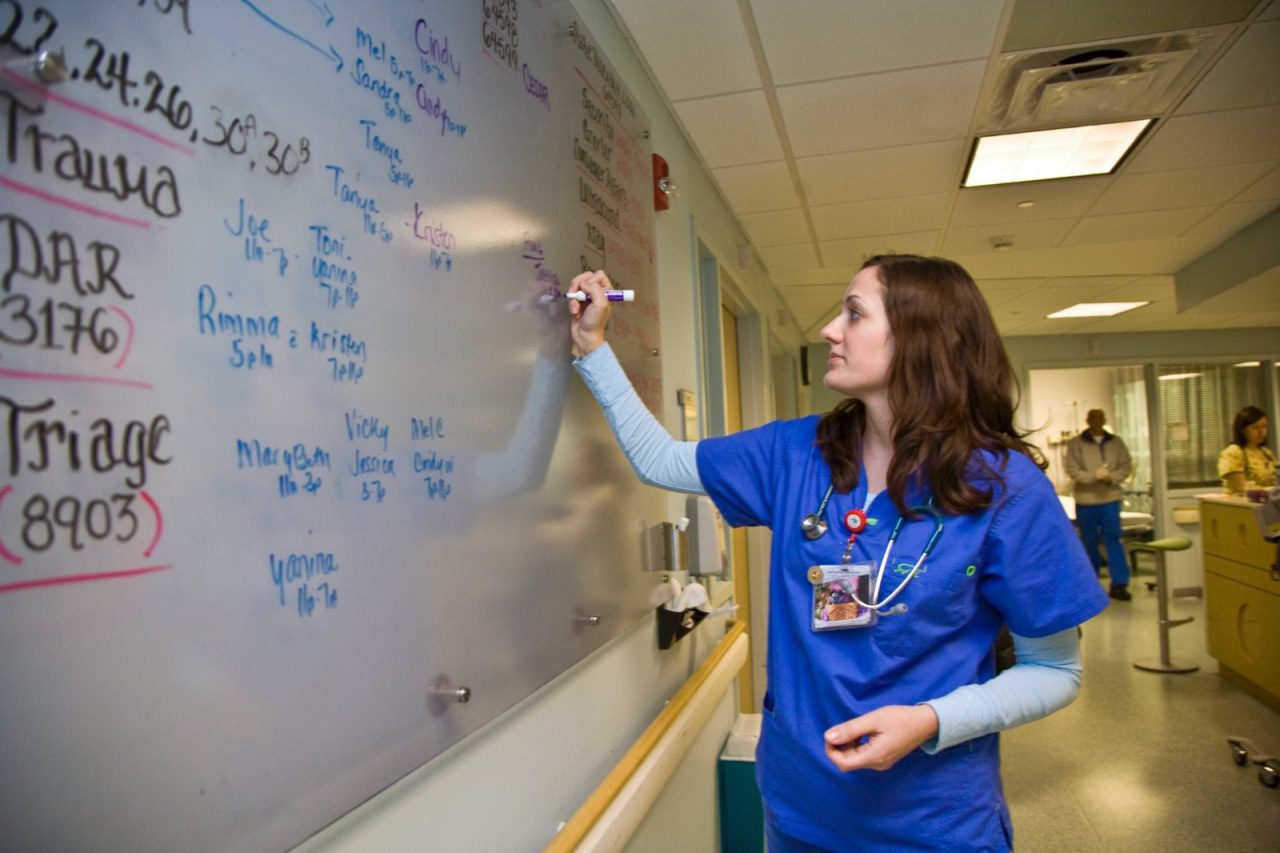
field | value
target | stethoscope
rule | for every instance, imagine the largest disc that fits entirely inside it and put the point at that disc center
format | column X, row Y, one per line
column 814, row 527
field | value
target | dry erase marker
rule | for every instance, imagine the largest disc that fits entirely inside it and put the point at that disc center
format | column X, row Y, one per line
column 577, row 296
column 611, row 295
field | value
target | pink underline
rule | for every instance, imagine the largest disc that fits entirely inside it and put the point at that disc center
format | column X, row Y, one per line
column 155, row 540
column 97, row 576
column 74, row 377
column 128, row 344
column 5, row 553
column 97, row 113
column 74, row 205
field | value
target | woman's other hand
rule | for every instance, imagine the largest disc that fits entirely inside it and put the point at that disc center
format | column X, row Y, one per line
column 879, row 739
column 588, row 320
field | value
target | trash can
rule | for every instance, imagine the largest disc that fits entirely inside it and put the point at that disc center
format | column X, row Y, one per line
column 741, row 812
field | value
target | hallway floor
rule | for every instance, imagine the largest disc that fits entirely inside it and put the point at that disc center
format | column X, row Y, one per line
column 1140, row 760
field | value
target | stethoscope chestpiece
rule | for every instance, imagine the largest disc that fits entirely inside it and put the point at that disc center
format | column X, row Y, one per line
column 813, row 526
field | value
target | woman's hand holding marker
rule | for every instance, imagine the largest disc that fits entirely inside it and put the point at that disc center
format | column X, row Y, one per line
column 588, row 319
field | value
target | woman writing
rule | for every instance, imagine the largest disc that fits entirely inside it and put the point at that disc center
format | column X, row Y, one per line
column 1247, row 459
column 926, row 438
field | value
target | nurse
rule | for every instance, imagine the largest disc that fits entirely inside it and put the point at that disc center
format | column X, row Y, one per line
column 1247, row 459
column 880, row 730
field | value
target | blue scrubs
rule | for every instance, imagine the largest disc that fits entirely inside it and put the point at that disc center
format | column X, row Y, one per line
column 1019, row 561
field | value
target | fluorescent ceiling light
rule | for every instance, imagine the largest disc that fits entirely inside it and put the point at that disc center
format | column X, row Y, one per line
column 1169, row 376
column 1248, row 364
column 1095, row 309
column 1040, row 155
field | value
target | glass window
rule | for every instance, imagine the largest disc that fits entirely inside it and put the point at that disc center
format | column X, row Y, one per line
column 1197, row 403
column 1129, row 407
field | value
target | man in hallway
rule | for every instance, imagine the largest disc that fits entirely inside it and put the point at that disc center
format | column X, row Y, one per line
column 1097, row 463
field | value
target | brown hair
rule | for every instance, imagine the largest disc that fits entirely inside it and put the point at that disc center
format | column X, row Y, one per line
column 951, row 389
column 1246, row 417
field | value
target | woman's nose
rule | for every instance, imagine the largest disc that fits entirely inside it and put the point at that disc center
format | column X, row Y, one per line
column 830, row 332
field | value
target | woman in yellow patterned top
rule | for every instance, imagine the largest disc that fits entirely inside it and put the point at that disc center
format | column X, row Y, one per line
column 1247, row 459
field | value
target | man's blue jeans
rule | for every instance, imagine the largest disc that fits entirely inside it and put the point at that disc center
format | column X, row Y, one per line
column 1103, row 520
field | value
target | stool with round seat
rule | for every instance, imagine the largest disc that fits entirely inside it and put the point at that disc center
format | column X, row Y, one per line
column 1158, row 548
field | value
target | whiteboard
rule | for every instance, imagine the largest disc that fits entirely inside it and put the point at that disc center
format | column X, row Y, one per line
column 292, row 443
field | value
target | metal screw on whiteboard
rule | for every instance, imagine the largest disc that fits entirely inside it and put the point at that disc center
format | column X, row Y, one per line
column 51, row 67
column 452, row 694
column 653, row 351
column 588, row 620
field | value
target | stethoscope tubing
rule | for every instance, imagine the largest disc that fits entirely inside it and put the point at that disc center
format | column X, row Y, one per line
column 814, row 527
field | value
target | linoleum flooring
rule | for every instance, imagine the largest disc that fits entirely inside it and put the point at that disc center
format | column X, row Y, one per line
column 1140, row 760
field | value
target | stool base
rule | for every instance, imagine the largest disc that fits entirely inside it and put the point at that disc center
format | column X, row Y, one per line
column 1154, row 665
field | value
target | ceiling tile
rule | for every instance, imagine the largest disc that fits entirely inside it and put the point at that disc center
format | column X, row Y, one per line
column 1158, row 290
column 796, row 256
column 1248, row 76
column 849, row 254
column 997, row 292
column 1137, row 257
column 1104, row 286
column 707, row 54
column 813, row 307
column 880, row 173
column 777, row 227
column 1126, row 227
column 1039, row 234
column 731, row 129
column 815, row 291
column 1056, row 295
column 1155, row 190
column 1154, row 281
column 837, row 39
column 1138, row 320
column 815, row 300
column 1023, row 323
column 812, row 276
column 1225, row 222
column 998, row 205
column 1051, row 297
column 1266, row 188
column 879, row 217
column 753, row 187
column 1198, row 320
column 881, row 110
column 1210, row 139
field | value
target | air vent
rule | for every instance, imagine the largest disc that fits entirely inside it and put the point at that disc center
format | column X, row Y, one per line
column 1099, row 83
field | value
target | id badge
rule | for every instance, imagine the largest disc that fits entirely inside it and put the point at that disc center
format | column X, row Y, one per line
column 834, row 588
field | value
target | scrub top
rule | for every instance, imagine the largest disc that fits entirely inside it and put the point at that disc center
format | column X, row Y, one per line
column 1018, row 562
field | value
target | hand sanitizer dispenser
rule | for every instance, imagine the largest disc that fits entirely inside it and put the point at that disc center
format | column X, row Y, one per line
column 707, row 552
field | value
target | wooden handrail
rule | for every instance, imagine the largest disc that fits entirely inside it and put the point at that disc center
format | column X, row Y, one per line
column 587, row 816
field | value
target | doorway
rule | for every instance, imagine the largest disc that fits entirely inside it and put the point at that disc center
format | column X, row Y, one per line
column 1060, row 399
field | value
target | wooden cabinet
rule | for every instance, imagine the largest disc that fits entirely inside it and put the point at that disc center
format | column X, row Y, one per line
column 1242, row 596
